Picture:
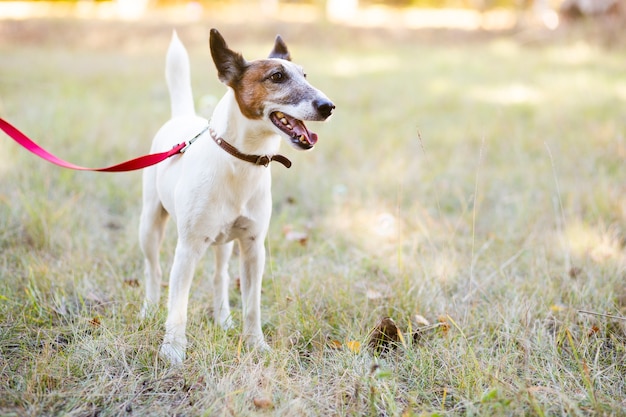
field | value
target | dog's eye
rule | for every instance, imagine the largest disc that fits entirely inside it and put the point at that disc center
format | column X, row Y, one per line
column 277, row 77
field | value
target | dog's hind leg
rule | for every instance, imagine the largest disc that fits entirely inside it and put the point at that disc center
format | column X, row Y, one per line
column 151, row 231
column 221, row 307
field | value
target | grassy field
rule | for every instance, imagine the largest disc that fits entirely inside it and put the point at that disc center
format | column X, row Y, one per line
column 472, row 187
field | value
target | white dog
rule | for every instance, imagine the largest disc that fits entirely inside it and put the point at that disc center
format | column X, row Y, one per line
column 219, row 189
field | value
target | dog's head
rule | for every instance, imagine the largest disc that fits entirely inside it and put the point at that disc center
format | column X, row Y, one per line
column 273, row 89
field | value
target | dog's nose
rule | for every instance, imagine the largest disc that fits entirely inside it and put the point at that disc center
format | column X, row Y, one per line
column 324, row 107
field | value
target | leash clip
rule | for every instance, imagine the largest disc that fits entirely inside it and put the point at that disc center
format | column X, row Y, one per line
column 187, row 145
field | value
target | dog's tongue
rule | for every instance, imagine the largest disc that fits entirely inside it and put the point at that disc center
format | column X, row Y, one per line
column 301, row 130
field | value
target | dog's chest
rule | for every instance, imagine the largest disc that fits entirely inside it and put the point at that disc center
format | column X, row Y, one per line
column 242, row 226
column 239, row 212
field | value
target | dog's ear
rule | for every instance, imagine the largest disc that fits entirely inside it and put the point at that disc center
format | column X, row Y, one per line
column 280, row 50
column 230, row 64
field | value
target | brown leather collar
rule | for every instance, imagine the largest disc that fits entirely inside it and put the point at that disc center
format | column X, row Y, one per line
column 253, row 159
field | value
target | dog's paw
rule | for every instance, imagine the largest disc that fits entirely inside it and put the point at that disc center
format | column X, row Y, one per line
column 263, row 347
column 148, row 310
column 173, row 352
column 258, row 344
column 226, row 323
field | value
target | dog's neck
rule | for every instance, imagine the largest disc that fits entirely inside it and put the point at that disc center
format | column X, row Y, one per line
column 248, row 136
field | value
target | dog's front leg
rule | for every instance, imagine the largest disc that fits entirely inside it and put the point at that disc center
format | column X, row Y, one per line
column 175, row 340
column 252, row 265
column 221, row 307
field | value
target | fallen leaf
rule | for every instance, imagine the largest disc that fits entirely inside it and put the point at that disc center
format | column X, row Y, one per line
column 574, row 272
column 594, row 329
column 334, row 344
column 557, row 308
column 420, row 320
column 443, row 324
column 131, row 282
column 262, row 403
column 384, row 336
column 95, row 322
column 295, row 236
column 354, row 346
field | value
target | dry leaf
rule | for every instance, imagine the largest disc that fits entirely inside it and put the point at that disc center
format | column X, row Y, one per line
column 574, row 272
column 594, row 329
column 334, row 344
column 443, row 324
column 131, row 282
column 422, row 326
column 354, row 346
column 263, row 403
column 557, row 307
column 295, row 236
column 384, row 335
column 95, row 322
column 420, row 320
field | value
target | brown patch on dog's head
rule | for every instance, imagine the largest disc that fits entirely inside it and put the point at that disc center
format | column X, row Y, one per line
column 253, row 81
column 255, row 86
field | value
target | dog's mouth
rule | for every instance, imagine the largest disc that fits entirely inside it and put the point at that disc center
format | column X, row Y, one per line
column 300, row 136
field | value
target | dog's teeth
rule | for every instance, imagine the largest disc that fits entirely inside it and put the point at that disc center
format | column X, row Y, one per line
column 288, row 126
column 280, row 115
column 283, row 121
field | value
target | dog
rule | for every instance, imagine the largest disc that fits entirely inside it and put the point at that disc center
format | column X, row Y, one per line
column 219, row 189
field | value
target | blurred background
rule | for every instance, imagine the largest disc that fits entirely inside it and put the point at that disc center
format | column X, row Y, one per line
column 462, row 14
column 474, row 170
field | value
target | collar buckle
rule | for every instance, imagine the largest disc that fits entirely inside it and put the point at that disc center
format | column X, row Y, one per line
column 263, row 160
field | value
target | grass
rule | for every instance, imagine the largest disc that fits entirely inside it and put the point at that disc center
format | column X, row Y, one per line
column 476, row 181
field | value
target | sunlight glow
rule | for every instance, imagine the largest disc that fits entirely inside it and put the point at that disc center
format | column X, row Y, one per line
column 350, row 66
column 418, row 18
column 507, row 95
column 599, row 245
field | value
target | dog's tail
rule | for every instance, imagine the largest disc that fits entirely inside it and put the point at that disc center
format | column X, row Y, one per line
column 178, row 78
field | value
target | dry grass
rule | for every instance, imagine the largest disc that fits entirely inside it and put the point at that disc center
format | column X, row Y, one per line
column 470, row 179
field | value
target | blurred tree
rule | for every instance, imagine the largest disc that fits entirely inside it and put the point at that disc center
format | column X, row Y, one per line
column 574, row 8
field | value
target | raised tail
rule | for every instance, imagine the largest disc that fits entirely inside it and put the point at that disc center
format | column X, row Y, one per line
column 178, row 79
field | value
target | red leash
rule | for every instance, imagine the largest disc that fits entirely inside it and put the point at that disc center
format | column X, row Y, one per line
column 132, row 165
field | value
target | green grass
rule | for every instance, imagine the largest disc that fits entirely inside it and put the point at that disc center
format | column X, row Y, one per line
column 474, row 180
